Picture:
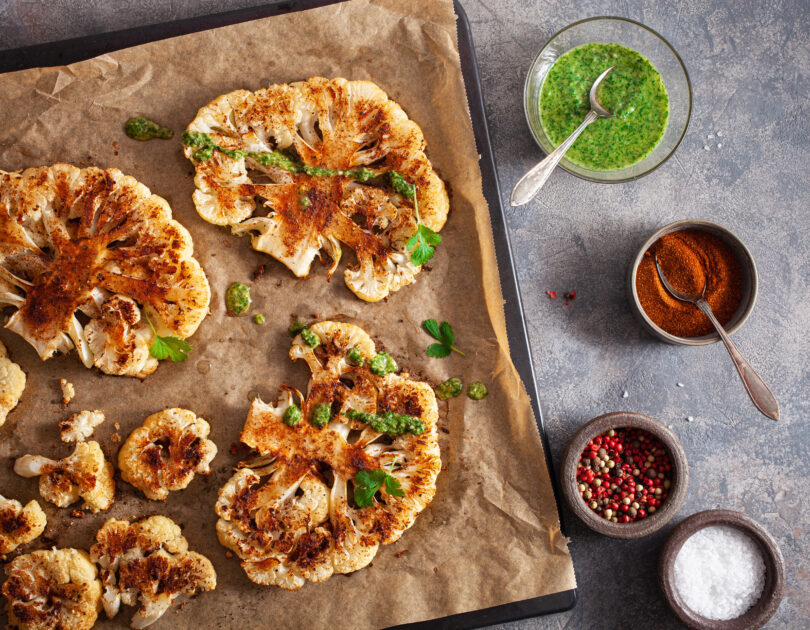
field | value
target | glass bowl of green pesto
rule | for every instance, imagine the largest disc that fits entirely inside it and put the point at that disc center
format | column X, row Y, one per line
column 648, row 92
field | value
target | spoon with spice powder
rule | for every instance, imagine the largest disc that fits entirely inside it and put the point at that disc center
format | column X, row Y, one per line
column 761, row 396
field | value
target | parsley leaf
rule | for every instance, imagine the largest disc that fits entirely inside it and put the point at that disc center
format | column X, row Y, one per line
column 420, row 245
column 368, row 483
column 442, row 333
column 170, row 347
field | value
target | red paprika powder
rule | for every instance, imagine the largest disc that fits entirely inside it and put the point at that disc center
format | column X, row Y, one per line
column 689, row 259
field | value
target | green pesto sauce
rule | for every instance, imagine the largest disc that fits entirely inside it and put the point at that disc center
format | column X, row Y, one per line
column 388, row 422
column 144, row 129
column 237, row 298
column 634, row 92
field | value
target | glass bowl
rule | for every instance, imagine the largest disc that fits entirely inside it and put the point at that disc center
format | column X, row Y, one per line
column 637, row 37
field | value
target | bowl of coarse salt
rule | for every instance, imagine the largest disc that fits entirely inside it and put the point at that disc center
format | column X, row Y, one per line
column 721, row 570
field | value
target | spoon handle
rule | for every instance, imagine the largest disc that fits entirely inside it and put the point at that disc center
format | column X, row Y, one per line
column 529, row 185
column 754, row 385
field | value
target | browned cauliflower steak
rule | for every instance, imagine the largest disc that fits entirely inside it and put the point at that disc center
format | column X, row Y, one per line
column 52, row 590
column 99, row 244
column 85, row 474
column 19, row 525
column 12, row 384
column 165, row 452
column 291, row 514
column 149, row 561
column 329, row 125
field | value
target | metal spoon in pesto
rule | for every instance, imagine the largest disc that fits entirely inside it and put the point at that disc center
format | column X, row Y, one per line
column 531, row 183
column 760, row 395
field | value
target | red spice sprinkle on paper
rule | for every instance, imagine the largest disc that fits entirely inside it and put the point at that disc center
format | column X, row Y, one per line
column 552, row 294
column 570, row 295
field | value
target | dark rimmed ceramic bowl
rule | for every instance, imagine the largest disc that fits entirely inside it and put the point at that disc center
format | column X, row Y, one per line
column 756, row 616
column 749, row 291
column 641, row 527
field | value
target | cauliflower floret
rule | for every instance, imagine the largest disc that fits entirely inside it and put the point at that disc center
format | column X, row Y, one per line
column 68, row 391
column 165, row 452
column 120, row 340
column 148, row 559
column 291, row 516
column 12, row 384
column 19, row 525
column 80, row 425
column 330, row 125
column 85, row 474
column 95, row 241
column 51, row 590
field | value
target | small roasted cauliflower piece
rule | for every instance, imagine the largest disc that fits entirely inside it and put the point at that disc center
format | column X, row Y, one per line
column 165, row 452
column 149, row 561
column 325, row 151
column 68, row 391
column 80, row 426
column 52, row 590
column 85, row 474
column 98, row 244
column 19, row 525
column 292, row 514
column 12, row 384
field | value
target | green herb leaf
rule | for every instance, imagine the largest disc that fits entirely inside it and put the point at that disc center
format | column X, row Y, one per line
column 420, row 244
column 433, row 328
column 448, row 337
column 368, row 483
column 438, row 350
column 169, row 347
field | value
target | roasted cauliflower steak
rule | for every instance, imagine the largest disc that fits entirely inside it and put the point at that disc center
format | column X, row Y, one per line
column 52, row 590
column 19, row 525
column 85, row 474
column 148, row 561
column 12, row 384
column 95, row 243
column 164, row 453
column 324, row 126
column 291, row 514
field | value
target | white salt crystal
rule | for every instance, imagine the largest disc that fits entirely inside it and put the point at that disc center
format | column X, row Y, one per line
column 625, row 394
column 719, row 572
column 719, row 145
column 710, row 136
column 706, row 146
column 719, row 134
column 680, row 384
column 690, row 419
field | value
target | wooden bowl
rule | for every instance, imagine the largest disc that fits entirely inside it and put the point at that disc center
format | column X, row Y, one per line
column 756, row 616
column 641, row 527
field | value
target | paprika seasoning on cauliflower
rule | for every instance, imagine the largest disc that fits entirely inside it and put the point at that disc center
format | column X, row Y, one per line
column 346, row 167
column 52, row 589
column 148, row 563
column 19, row 525
column 293, row 514
column 164, row 453
column 99, row 244
column 85, row 474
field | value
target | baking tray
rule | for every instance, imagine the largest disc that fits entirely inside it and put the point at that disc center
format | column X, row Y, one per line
column 81, row 48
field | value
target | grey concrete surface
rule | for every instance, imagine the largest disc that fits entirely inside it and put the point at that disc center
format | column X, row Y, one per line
column 750, row 67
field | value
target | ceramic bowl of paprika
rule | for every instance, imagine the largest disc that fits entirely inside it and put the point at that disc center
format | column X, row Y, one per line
column 747, row 271
column 772, row 591
column 679, row 474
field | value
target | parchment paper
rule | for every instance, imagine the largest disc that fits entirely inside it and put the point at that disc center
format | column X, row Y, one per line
column 490, row 536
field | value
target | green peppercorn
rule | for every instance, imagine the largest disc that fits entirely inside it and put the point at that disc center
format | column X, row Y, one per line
column 383, row 364
column 451, row 388
column 477, row 390
column 237, row 298
column 292, row 415
column 259, row 318
column 321, row 415
column 310, row 338
column 296, row 327
column 354, row 357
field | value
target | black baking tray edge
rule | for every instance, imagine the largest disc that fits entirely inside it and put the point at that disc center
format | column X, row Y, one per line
column 73, row 50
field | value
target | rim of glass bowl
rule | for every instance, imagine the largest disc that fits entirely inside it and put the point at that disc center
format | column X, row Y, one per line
column 562, row 163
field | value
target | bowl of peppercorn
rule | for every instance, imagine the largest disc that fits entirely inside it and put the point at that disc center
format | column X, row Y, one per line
column 624, row 474
column 697, row 257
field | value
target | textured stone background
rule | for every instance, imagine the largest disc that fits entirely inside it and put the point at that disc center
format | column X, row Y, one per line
column 750, row 69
